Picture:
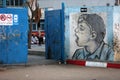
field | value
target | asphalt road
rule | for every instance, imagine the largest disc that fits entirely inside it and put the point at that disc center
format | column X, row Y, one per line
column 59, row 72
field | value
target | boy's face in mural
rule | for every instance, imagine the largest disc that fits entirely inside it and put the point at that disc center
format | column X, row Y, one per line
column 90, row 33
column 83, row 34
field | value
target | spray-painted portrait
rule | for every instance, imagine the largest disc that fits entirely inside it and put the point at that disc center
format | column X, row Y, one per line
column 89, row 35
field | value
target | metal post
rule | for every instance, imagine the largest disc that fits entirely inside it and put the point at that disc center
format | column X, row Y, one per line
column 4, row 3
column 62, row 36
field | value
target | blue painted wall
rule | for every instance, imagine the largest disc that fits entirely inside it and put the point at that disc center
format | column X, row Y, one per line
column 108, row 16
column 71, row 46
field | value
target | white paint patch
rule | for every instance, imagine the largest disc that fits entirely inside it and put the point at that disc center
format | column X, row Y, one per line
column 96, row 64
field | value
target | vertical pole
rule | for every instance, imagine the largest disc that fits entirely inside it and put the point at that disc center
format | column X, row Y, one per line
column 46, row 33
column 13, row 2
column 4, row 3
column 62, row 34
column 9, row 2
column 18, row 3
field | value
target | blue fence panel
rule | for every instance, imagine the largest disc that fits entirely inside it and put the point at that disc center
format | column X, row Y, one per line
column 13, row 36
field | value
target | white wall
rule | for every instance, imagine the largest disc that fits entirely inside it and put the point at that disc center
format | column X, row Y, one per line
column 56, row 4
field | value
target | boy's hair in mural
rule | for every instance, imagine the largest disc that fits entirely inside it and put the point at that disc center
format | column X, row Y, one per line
column 96, row 24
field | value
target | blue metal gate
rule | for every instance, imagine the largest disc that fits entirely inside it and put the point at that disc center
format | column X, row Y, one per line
column 54, row 35
column 13, row 35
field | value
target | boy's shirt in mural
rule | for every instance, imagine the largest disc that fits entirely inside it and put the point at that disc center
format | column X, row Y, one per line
column 103, row 53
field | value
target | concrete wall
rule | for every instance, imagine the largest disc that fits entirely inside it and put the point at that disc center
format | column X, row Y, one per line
column 74, row 43
column 56, row 4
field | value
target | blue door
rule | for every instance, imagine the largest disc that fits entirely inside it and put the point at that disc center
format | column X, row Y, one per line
column 54, row 35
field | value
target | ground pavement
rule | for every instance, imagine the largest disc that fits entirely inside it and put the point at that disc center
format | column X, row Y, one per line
column 59, row 72
column 39, row 68
column 37, row 55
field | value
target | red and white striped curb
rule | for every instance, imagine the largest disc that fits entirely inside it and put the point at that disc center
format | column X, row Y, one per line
column 93, row 64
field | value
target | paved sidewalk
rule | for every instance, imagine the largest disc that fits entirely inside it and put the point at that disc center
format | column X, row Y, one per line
column 39, row 60
column 37, row 50
column 36, row 56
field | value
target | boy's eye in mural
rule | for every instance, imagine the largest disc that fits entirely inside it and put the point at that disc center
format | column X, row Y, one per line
column 82, row 28
column 89, row 37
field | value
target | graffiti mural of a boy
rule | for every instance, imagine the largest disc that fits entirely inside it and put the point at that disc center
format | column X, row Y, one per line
column 90, row 33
